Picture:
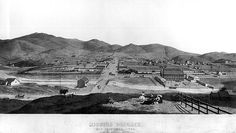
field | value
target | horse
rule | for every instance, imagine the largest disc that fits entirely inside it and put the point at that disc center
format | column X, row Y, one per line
column 20, row 96
column 63, row 91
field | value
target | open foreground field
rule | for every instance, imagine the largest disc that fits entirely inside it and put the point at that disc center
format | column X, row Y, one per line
column 100, row 104
column 33, row 91
column 93, row 103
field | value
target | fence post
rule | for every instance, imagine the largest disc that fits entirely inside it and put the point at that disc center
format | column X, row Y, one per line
column 207, row 109
column 198, row 107
column 218, row 110
column 185, row 102
column 192, row 103
column 181, row 99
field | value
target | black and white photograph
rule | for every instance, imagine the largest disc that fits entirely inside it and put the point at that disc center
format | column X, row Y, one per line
column 126, row 65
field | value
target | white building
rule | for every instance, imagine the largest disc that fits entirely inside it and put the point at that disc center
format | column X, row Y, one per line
column 12, row 82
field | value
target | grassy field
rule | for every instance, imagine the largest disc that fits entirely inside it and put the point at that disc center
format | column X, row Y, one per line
column 229, row 83
column 8, row 105
column 70, row 104
column 99, row 104
column 96, row 104
column 34, row 91
column 29, row 89
column 58, row 76
column 137, row 80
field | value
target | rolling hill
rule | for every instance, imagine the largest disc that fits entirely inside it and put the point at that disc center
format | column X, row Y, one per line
column 213, row 56
column 44, row 47
column 184, row 58
column 40, row 46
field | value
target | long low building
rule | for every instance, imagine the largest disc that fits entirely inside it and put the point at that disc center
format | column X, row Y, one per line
column 173, row 74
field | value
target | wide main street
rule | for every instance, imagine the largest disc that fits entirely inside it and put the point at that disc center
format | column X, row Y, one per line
column 108, row 73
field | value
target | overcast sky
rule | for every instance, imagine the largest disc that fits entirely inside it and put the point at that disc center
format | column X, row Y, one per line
column 197, row 26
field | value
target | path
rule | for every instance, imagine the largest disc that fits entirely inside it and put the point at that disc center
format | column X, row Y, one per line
column 105, row 76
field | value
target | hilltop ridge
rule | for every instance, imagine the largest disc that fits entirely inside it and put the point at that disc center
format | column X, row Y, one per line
column 42, row 46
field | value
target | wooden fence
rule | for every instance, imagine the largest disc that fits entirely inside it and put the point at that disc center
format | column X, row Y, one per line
column 200, row 106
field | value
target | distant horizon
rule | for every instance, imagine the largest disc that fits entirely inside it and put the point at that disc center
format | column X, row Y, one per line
column 114, row 43
column 194, row 26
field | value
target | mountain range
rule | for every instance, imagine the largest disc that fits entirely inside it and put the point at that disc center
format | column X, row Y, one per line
column 41, row 46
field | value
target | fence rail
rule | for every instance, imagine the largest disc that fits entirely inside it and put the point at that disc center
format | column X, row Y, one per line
column 200, row 106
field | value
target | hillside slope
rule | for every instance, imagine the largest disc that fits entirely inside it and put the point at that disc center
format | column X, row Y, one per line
column 152, row 51
column 38, row 46
column 213, row 56
column 69, row 104
column 44, row 47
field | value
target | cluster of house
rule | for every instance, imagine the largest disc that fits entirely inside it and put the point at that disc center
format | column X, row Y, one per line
column 78, row 59
column 150, row 62
column 225, row 61
column 10, row 82
column 95, row 68
column 124, row 68
column 188, row 62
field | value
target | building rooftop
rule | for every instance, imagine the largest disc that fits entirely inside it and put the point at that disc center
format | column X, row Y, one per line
column 173, row 70
column 10, row 80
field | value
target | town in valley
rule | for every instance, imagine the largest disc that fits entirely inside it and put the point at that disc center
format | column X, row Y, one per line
column 41, row 73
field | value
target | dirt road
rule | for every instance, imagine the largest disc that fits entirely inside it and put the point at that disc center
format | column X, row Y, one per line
column 108, row 73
